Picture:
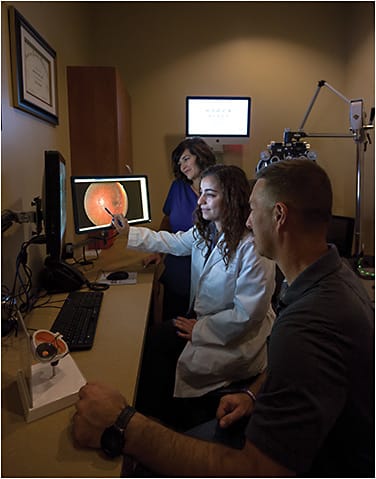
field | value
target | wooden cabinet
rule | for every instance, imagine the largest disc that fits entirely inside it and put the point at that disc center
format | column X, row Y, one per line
column 99, row 121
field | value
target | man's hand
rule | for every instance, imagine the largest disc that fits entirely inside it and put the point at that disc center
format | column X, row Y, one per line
column 233, row 407
column 97, row 408
column 185, row 327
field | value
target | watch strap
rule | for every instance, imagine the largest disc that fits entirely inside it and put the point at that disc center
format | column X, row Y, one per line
column 112, row 439
column 124, row 417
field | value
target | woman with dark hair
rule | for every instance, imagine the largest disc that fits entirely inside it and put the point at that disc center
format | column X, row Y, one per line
column 223, row 338
column 189, row 159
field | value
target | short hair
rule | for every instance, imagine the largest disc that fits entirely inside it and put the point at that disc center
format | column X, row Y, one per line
column 197, row 147
column 302, row 185
column 236, row 190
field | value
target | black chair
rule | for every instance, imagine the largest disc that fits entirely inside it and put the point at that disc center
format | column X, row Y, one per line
column 341, row 233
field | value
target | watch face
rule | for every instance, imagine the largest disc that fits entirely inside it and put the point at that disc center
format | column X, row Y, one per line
column 112, row 441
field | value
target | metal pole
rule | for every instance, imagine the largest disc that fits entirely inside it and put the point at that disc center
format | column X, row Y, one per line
column 320, row 84
column 359, row 165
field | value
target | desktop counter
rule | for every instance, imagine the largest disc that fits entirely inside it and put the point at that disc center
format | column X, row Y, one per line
column 44, row 447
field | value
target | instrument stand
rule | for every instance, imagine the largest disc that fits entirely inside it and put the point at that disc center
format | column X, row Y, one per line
column 358, row 132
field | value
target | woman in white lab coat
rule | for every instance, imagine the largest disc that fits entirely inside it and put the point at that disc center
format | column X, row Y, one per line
column 222, row 339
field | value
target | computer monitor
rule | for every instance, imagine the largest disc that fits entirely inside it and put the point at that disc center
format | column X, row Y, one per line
column 96, row 198
column 57, row 276
column 54, row 203
column 219, row 120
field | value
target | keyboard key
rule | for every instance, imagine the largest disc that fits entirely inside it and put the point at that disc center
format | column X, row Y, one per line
column 77, row 319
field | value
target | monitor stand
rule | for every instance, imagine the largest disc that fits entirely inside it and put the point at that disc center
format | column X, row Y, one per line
column 61, row 277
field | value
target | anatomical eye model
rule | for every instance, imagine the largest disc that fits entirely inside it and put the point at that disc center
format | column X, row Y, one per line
column 48, row 347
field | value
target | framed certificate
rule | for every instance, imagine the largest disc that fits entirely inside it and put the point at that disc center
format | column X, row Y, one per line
column 33, row 64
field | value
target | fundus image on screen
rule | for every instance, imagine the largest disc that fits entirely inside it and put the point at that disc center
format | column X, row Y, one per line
column 218, row 117
column 96, row 198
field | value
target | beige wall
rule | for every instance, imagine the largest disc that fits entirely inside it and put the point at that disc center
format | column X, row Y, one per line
column 274, row 52
column 24, row 138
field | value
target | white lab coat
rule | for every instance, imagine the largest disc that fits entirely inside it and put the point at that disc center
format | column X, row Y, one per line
column 233, row 307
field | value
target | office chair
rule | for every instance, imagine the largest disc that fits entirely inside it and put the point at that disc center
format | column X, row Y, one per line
column 341, row 233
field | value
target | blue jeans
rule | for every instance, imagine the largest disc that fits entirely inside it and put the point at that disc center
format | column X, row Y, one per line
column 233, row 436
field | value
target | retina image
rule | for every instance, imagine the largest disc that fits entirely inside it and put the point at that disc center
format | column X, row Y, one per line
column 99, row 196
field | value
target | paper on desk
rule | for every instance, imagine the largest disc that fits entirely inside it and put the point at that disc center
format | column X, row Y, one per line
column 132, row 279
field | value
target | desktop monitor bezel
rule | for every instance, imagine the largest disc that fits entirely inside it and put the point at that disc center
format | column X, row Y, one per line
column 222, row 137
column 54, row 204
column 78, row 203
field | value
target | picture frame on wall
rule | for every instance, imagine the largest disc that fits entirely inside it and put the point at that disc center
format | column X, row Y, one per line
column 34, row 70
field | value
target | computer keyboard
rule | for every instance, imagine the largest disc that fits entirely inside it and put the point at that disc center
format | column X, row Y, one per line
column 77, row 319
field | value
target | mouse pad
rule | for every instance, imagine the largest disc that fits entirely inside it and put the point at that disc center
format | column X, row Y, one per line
column 132, row 279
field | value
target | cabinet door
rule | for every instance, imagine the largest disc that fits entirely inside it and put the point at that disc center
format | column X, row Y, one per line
column 99, row 122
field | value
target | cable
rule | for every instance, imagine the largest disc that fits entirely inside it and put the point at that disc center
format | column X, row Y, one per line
column 9, row 321
column 97, row 286
column 23, row 276
column 84, row 261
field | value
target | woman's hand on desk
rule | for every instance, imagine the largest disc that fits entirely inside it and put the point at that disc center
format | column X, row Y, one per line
column 97, row 408
column 121, row 224
column 154, row 258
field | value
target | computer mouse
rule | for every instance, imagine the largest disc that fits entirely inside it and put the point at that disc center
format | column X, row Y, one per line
column 117, row 276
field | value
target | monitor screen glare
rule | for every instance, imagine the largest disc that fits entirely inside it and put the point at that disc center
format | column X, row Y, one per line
column 218, row 116
column 95, row 199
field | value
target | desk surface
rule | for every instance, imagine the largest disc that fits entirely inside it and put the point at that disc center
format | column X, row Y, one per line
column 44, row 448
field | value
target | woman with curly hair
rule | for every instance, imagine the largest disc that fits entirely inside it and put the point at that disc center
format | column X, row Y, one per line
column 222, row 338
column 188, row 160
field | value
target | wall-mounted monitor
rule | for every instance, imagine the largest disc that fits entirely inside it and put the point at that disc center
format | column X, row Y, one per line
column 95, row 199
column 219, row 120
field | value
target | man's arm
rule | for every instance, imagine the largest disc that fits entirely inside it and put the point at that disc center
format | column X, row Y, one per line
column 172, row 454
column 161, row 449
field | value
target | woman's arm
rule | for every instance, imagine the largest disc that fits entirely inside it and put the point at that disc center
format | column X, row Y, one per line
column 146, row 239
column 156, row 258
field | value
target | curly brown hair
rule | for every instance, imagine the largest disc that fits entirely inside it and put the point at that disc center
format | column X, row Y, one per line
column 197, row 147
column 236, row 190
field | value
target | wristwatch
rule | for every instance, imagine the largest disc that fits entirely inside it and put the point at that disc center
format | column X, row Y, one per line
column 112, row 440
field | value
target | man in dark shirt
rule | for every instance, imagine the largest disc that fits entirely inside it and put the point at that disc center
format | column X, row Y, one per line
column 313, row 413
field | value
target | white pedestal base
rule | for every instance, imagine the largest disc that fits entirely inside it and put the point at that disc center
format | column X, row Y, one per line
column 46, row 393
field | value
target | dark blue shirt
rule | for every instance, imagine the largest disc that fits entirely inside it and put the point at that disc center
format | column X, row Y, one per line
column 315, row 413
column 179, row 206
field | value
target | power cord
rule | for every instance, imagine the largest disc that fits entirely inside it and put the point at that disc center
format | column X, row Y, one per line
column 9, row 321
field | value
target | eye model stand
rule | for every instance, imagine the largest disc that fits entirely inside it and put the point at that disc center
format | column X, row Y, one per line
column 53, row 381
column 294, row 148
